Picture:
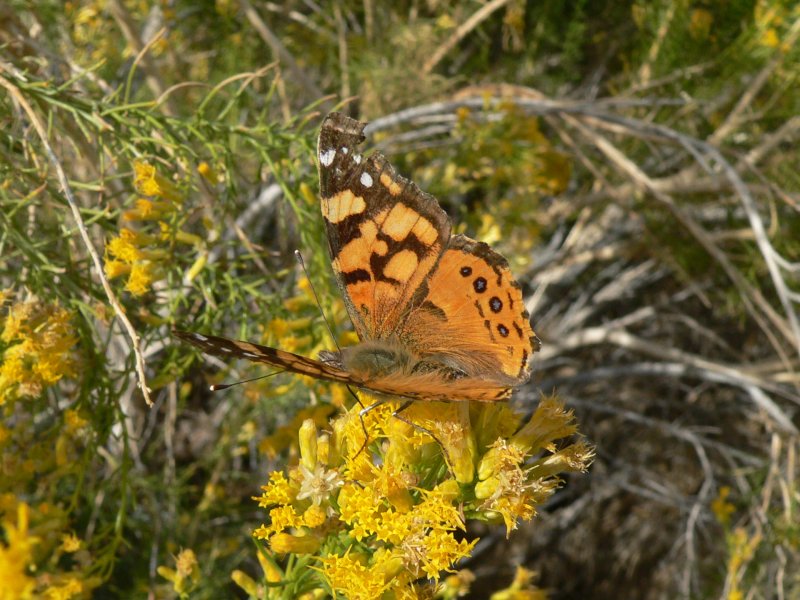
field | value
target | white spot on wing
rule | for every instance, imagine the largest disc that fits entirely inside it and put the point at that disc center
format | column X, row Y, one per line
column 357, row 158
column 250, row 355
column 326, row 158
column 345, row 149
column 366, row 179
column 224, row 349
column 202, row 338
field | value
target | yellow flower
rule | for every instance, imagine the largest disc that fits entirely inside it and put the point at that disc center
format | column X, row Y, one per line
column 150, row 183
column 208, row 173
column 522, row 588
column 15, row 557
column 314, row 516
column 70, row 542
column 456, row 585
column 277, row 491
column 71, row 587
column 351, row 577
column 140, row 279
column 244, row 581
column 116, row 268
column 438, row 550
column 722, row 507
column 281, row 517
column 186, row 573
column 284, row 543
column 287, row 434
column 383, row 515
column 126, row 246
column 40, row 353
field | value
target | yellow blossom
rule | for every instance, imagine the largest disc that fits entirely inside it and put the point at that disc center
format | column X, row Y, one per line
column 244, row 581
column 15, row 557
column 70, row 542
column 308, row 444
column 40, row 353
column 351, row 577
column 70, row 587
column 373, row 518
column 272, row 573
column 140, row 279
column 522, row 588
column 208, row 172
column 281, row 517
column 116, row 268
column 284, row 543
column 186, row 573
column 287, row 434
column 314, row 516
column 277, row 491
column 150, row 183
column 456, row 585
column 722, row 507
column 125, row 246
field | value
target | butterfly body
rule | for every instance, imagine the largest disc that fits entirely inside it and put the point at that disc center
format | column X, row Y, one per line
column 440, row 317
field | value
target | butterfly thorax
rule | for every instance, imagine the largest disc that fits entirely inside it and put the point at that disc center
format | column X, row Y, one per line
column 375, row 359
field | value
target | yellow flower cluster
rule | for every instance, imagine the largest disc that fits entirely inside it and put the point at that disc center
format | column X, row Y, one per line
column 36, row 348
column 186, row 574
column 25, row 545
column 136, row 253
column 372, row 517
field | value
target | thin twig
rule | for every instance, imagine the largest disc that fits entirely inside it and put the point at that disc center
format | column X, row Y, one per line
column 279, row 50
column 461, row 32
column 734, row 118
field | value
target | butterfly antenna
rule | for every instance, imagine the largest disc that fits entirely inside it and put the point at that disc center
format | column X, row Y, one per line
column 224, row 386
column 299, row 258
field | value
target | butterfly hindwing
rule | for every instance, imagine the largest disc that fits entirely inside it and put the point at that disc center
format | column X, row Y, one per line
column 474, row 312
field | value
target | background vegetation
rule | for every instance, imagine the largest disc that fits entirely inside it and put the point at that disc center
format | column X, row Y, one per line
column 636, row 161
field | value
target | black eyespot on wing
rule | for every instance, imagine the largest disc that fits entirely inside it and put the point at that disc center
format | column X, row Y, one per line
column 479, row 284
column 466, row 271
column 502, row 330
column 495, row 304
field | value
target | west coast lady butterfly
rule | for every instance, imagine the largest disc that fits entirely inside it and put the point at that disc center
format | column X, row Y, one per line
column 440, row 317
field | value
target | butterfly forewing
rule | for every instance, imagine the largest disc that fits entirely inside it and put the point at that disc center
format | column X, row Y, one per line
column 385, row 235
column 228, row 348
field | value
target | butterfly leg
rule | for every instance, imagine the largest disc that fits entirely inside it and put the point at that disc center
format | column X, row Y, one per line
column 364, row 410
column 396, row 415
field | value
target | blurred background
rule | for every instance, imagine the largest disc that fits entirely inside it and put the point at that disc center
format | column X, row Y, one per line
column 636, row 162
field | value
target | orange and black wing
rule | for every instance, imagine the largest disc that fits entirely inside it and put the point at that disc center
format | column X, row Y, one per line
column 385, row 235
column 473, row 313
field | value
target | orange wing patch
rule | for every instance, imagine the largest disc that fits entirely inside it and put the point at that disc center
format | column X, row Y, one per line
column 474, row 312
column 341, row 206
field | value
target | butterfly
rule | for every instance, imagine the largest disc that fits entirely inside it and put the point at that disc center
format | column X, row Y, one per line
column 439, row 316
